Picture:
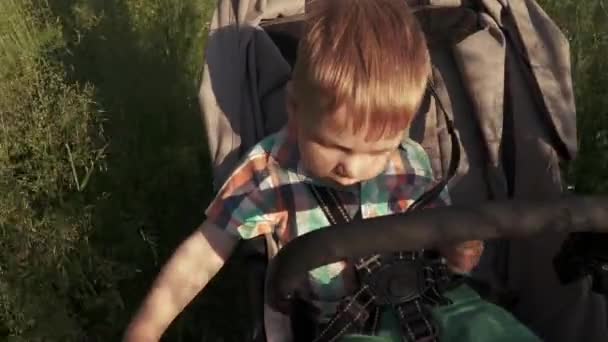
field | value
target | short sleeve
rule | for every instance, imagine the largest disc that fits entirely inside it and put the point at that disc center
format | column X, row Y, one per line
column 246, row 205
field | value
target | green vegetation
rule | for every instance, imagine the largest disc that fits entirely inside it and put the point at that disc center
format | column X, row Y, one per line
column 104, row 168
column 103, row 164
column 585, row 24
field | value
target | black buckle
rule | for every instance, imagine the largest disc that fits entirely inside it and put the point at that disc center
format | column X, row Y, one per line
column 368, row 265
column 393, row 279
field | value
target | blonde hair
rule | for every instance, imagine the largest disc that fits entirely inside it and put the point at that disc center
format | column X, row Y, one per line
column 368, row 55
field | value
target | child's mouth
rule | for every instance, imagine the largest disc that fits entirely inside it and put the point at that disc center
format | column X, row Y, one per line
column 341, row 182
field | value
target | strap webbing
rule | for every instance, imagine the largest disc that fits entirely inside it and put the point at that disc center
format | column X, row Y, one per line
column 360, row 312
column 434, row 192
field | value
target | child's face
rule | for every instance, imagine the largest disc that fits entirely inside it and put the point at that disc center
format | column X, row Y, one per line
column 340, row 156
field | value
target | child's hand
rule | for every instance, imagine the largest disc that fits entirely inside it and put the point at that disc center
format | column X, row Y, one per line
column 463, row 257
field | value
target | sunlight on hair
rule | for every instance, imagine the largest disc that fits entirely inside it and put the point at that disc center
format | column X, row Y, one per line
column 368, row 55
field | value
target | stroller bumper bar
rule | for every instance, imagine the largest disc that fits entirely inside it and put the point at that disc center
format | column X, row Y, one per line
column 426, row 229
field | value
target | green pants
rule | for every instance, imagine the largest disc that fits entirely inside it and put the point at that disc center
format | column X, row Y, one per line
column 468, row 319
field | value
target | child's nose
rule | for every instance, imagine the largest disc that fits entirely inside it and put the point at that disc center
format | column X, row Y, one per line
column 341, row 170
column 350, row 168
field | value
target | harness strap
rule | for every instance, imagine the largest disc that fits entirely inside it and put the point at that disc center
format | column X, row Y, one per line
column 360, row 312
column 434, row 192
column 353, row 315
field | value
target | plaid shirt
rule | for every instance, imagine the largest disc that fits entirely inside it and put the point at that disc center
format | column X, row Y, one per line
column 268, row 193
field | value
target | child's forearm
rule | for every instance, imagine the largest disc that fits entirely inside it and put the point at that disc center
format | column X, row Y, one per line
column 191, row 267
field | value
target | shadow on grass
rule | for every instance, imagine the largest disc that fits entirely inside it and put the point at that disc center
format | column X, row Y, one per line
column 144, row 60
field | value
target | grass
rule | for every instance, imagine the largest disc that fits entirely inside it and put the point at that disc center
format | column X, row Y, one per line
column 585, row 25
column 104, row 166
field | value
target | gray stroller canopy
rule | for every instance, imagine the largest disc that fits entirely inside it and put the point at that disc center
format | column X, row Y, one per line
column 502, row 71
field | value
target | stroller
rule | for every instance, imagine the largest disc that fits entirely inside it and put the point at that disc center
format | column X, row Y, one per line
column 502, row 75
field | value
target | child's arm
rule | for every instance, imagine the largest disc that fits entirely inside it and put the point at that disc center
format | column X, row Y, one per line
column 462, row 257
column 192, row 266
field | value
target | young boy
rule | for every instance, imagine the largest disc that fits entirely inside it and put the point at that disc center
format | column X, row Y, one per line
column 361, row 73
